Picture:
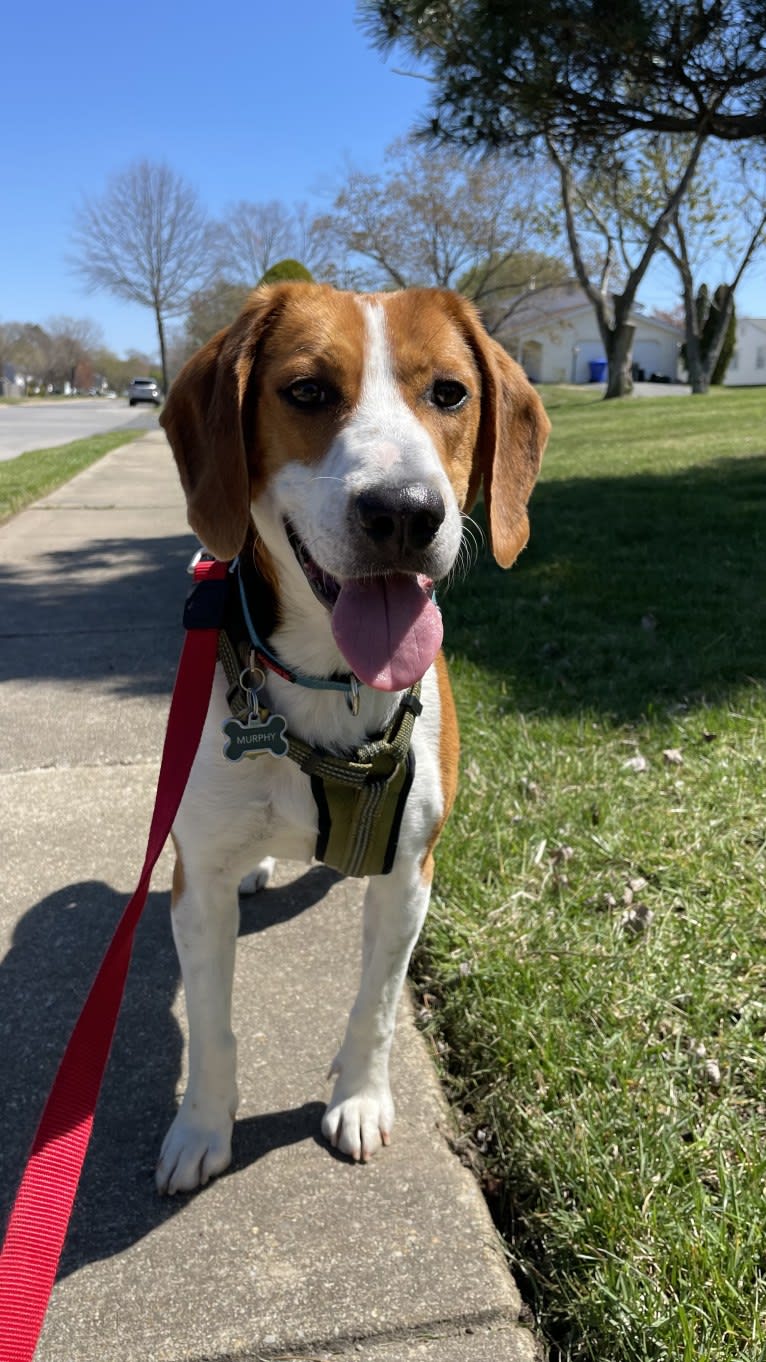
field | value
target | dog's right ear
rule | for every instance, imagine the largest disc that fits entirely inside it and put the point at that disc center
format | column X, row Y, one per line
column 203, row 422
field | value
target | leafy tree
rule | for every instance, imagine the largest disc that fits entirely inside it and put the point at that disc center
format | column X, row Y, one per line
column 71, row 342
column 211, row 310
column 216, row 306
column 66, row 350
column 600, row 206
column 710, row 324
column 28, row 347
column 148, row 240
column 723, row 211
column 117, row 372
column 583, row 71
column 589, row 81
column 433, row 217
column 501, row 288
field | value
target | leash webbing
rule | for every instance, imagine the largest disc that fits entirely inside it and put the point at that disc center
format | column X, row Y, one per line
column 40, row 1215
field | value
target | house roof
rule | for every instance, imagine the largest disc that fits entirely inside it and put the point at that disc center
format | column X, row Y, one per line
column 550, row 307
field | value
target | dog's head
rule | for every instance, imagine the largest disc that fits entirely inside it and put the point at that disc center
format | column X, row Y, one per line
column 353, row 430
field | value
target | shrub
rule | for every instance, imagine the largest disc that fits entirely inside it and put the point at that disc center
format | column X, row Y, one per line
column 287, row 271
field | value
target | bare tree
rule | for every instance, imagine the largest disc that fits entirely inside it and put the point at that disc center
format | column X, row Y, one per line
column 72, row 341
column 147, row 239
column 312, row 247
column 434, row 217
column 28, row 347
column 254, row 236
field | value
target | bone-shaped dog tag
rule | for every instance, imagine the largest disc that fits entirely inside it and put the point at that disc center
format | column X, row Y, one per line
column 254, row 736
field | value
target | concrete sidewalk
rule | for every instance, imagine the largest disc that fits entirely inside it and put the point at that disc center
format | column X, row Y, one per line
column 294, row 1253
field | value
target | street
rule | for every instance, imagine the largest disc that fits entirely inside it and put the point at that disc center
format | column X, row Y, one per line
column 45, row 424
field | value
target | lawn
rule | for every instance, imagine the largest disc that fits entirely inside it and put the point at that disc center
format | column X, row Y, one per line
column 593, row 972
column 30, row 476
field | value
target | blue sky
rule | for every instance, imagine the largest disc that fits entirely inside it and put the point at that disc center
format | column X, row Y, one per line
column 245, row 100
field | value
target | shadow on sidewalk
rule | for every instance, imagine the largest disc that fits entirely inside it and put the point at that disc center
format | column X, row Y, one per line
column 44, row 979
column 108, row 611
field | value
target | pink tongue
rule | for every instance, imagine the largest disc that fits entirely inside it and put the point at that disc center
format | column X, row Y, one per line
column 388, row 629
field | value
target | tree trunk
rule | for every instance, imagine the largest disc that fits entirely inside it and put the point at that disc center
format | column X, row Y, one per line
column 718, row 337
column 692, row 323
column 163, row 355
column 698, row 381
column 618, row 343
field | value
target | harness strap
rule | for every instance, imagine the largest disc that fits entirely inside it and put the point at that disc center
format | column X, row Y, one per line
column 360, row 798
column 374, row 760
column 43, row 1206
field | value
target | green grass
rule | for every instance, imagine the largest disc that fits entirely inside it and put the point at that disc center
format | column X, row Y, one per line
column 30, row 476
column 593, row 971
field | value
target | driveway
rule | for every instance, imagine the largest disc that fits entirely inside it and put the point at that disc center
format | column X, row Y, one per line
column 651, row 389
column 661, row 390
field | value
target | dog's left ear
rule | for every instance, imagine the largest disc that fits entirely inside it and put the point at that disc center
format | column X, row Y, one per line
column 203, row 422
column 513, row 432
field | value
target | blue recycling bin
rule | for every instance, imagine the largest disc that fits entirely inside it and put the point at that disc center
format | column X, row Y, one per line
column 597, row 370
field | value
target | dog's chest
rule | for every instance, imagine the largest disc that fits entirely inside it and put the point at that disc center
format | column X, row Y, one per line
column 298, row 811
column 271, row 796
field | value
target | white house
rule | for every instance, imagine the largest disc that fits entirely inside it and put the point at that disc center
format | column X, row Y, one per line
column 12, row 383
column 554, row 336
column 747, row 365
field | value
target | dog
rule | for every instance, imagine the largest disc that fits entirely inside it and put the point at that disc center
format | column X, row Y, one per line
column 330, row 445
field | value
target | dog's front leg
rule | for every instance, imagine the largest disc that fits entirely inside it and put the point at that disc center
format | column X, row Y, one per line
column 360, row 1115
column 205, row 923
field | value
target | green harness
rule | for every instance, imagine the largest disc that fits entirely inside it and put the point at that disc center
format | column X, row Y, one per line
column 360, row 798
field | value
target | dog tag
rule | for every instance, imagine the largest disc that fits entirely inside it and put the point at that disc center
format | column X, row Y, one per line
column 254, row 735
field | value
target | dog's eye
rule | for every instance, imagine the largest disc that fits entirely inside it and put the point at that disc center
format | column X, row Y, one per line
column 309, row 393
column 448, row 394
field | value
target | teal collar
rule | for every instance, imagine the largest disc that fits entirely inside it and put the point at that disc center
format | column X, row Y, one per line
column 265, row 658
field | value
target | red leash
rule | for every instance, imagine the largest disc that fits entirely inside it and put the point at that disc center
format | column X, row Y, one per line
column 40, row 1215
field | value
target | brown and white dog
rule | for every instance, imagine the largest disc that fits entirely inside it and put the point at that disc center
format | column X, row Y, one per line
column 338, row 438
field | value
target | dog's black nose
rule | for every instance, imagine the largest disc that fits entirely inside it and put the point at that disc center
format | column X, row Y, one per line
column 401, row 518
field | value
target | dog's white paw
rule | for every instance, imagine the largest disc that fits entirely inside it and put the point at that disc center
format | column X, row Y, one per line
column 193, row 1152
column 359, row 1122
column 258, row 878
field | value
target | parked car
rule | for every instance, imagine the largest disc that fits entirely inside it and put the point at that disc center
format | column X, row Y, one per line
column 144, row 390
